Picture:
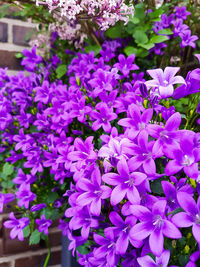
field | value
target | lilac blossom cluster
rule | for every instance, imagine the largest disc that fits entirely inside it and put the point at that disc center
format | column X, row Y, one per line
column 104, row 13
column 101, row 134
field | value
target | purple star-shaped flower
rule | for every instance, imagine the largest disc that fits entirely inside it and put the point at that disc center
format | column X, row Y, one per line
column 103, row 117
column 186, row 158
column 125, row 183
column 164, row 81
column 181, row 12
column 188, row 39
column 43, row 224
column 5, row 198
column 93, row 192
column 17, row 226
column 147, row 261
column 135, row 121
column 126, row 65
column 155, row 225
column 191, row 216
column 143, row 154
column 121, row 229
column 25, row 195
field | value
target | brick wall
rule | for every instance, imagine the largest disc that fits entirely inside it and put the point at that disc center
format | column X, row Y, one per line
column 13, row 253
column 13, row 39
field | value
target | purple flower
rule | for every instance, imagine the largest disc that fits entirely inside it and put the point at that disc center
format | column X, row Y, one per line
column 64, row 227
column 179, row 27
column 167, row 113
column 43, row 224
column 5, row 198
column 84, row 152
column 188, row 39
column 198, row 108
column 42, row 92
column 103, row 81
column 143, row 155
column 164, row 80
column 25, row 195
column 186, row 158
column 136, row 122
column 38, row 207
column 126, row 65
column 80, row 110
column 171, row 195
column 31, row 60
column 17, row 226
column 107, row 54
column 147, row 261
column 192, row 85
column 143, row 90
column 198, row 57
column 93, row 192
column 181, row 12
column 155, row 225
column 194, row 257
column 24, row 178
column 167, row 136
column 121, row 229
column 103, row 117
column 107, row 248
column 125, row 183
column 158, row 49
column 191, row 216
column 81, row 218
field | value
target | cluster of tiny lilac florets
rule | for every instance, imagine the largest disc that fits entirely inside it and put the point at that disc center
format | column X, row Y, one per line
column 104, row 13
column 101, row 133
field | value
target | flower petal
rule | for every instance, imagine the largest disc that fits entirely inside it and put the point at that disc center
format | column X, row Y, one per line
column 156, row 241
column 170, row 230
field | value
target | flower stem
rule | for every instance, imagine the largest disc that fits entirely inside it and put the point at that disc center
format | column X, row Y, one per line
column 49, row 252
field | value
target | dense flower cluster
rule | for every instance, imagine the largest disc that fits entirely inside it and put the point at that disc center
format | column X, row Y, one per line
column 104, row 13
column 180, row 29
column 110, row 135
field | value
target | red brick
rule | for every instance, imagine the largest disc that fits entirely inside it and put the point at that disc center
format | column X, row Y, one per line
column 38, row 261
column 20, row 35
column 55, row 239
column 9, row 60
column 5, row 264
column 3, row 32
column 1, row 248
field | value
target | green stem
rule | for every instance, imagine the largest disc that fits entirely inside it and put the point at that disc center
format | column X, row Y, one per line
column 49, row 252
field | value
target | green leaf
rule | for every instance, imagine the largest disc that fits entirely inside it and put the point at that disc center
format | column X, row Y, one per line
column 156, row 13
column 95, row 48
column 167, row 31
column 10, row 184
column 19, row 55
column 140, row 11
column 130, row 27
column 114, row 32
column 140, row 37
column 147, row 46
column 61, row 70
column 34, row 238
column 139, row 52
column 156, row 187
column 8, row 169
column 135, row 20
column 156, row 39
column 26, row 231
column 52, row 196
column 129, row 50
